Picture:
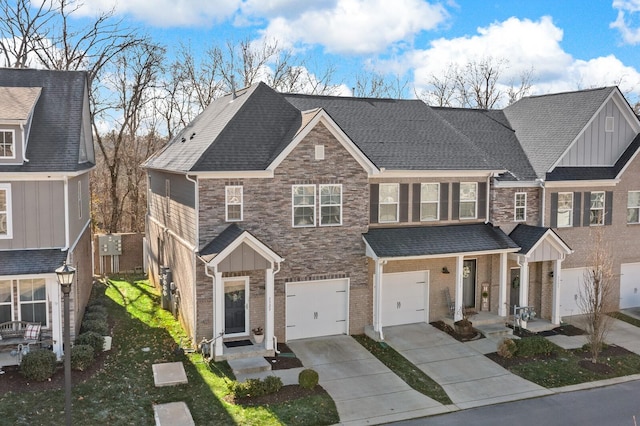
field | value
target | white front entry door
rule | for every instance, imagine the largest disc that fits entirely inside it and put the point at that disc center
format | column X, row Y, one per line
column 405, row 298
column 317, row 308
column 629, row 285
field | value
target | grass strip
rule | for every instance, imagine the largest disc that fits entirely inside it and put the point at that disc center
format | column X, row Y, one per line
column 404, row 369
column 626, row 318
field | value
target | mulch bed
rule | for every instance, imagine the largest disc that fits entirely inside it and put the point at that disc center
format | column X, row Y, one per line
column 285, row 360
column 512, row 362
column 13, row 381
column 440, row 325
column 566, row 330
column 287, row 393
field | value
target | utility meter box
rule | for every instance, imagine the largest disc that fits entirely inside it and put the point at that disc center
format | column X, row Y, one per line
column 110, row 245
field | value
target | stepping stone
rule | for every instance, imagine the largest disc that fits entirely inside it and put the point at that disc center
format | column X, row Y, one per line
column 242, row 366
column 169, row 374
column 172, row 413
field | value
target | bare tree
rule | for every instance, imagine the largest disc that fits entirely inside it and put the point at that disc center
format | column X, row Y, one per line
column 595, row 296
column 374, row 85
column 24, row 24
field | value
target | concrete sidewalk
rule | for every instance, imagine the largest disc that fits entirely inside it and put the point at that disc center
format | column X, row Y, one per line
column 469, row 378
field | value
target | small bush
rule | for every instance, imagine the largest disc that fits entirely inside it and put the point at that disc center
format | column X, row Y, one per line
column 92, row 316
column 93, row 339
column 587, row 347
column 507, row 348
column 98, row 326
column 308, row 378
column 39, row 365
column 535, row 345
column 255, row 387
column 96, row 308
column 81, row 357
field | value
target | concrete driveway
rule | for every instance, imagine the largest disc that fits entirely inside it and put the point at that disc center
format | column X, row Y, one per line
column 365, row 390
column 469, row 378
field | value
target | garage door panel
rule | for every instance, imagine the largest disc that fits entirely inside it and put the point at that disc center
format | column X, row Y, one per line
column 570, row 285
column 316, row 308
column 629, row 285
column 404, row 298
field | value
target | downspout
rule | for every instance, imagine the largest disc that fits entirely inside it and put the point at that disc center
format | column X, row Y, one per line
column 195, row 247
column 213, row 314
column 275, row 339
column 488, row 200
column 66, row 214
column 543, row 204
column 24, row 143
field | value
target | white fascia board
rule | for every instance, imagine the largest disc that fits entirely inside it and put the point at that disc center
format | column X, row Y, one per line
column 446, row 255
column 369, row 252
column 581, row 183
column 554, row 240
column 42, row 176
column 336, row 131
column 516, row 184
column 247, row 174
column 631, row 160
column 252, row 242
column 386, row 173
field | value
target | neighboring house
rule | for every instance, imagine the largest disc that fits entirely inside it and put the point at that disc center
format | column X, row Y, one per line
column 46, row 154
column 311, row 215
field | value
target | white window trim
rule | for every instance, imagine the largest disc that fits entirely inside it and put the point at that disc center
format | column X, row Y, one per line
column 11, row 302
column 45, row 301
column 632, row 207
column 397, row 203
column 227, row 203
column 437, row 202
column 9, row 235
column 475, row 202
column 13, row 137
column 516, row 207
column 293, row 206
column 609, row 124
column 603, row 208
column 570, row 211
column 328, row 205
column 79, row 199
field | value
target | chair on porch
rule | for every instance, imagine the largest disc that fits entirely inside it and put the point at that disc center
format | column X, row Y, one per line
column 450, row 303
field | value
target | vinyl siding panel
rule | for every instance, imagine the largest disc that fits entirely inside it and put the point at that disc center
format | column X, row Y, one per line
column 78, row 216
column 179, row 213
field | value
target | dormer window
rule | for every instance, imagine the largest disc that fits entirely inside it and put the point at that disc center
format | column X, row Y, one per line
column 7, row 144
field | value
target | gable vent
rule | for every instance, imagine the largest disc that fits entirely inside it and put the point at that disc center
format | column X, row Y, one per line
column 608, row 124
column 319, row 152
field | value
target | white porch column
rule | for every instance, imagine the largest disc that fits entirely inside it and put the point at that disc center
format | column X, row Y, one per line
column 502, row 294
column 457, row 316
column 377, row 297
column 524, row 283
column 555, row 310
column 218, row 312
column 268, row 309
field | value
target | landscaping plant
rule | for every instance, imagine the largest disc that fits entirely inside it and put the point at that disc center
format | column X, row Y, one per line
column 39, row 365
column 308, row 378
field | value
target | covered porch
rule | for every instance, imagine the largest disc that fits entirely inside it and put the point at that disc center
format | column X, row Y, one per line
column 242, row 271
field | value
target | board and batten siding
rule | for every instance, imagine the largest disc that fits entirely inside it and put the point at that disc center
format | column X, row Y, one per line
column 595, row 146
column 178, row 212
column 37, row 214
column 78, row 188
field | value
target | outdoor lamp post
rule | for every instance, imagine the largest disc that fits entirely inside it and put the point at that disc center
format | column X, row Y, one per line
column 65, row 275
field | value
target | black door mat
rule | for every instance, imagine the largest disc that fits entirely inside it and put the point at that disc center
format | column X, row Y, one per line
column 237, row 343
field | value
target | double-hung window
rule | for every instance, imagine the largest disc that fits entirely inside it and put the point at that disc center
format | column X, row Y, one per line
column 565, row 209
column 6, row 303
column 633, row 207
column 388, row 202
column 596, row 211
column 33, row 300
column 429, row 201
column 7, row 144
column 468, row 200
column 330, row 205
column 304, row 205
column 233, row 203
column 5, row 211
column 520, row 206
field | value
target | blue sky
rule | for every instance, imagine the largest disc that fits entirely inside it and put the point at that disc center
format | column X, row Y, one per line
column 569, row 44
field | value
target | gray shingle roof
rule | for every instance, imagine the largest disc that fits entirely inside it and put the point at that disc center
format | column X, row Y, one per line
column 54, row 141
column 222, row 241
column 546, row 125
column 434, row 240
column 24, row 262
column 400, row 134
column 527, row 236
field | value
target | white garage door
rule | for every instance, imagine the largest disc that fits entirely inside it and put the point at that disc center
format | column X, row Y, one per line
column 629, row 285
column 405, row 298
column 572, row 280
column 317, row 308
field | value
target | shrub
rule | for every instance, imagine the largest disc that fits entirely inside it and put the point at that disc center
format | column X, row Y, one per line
column 98, row 326
column 535, row 345
column 81, row 357
column 507, row 348
column 255, row 387
column 39, row 365
column 96, row 308
column 92, row 316
column 91, row 338
column 308, row 378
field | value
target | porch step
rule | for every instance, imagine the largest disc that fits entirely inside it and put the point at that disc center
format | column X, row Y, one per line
column 242, row 366
column 493, row 330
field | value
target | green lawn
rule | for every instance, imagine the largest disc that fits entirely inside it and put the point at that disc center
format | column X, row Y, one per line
column 404, row 369
column 626, row 318
column 124, row 393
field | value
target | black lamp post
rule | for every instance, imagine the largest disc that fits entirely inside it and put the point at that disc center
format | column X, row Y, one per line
column 65, row 275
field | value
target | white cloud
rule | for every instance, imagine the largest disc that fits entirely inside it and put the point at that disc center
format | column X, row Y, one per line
column 356, row 26
column 627, row 20
column 166, row 13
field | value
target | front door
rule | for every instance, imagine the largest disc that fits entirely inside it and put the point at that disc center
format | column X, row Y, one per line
column 469, row 283
column 235, row 304
column 514, row 296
